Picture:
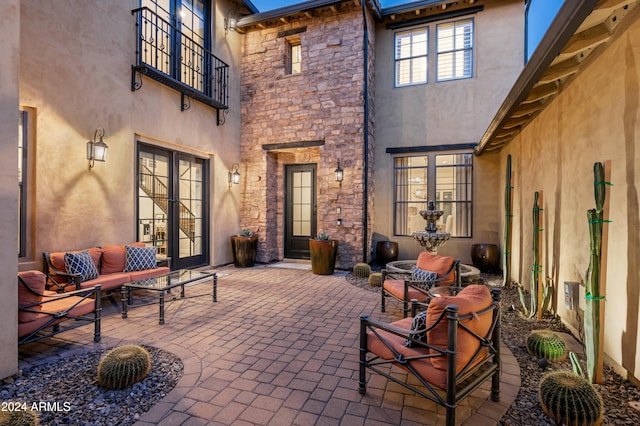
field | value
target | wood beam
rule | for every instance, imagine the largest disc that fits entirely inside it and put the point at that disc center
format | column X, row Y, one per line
column 528, row 109
column 541, row 92
column 608, row 4
column 308, row 14
column 587, row 39
column 560, row 70
column 516, row 122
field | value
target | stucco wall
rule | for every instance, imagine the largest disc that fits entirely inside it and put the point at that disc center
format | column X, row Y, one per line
column 9, row 66
column 443, row 113
column 75, row 72
column 594, row 119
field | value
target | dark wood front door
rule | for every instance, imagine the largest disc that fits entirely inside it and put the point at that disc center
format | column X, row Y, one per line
column 300, row 215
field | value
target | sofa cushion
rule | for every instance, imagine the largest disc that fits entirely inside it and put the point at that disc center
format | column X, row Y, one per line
column 423, row 277
column 438, row 264
column 114, row 257
column 471, row 299
column 140, row 258
column 148, row 273
column 81, row 264
column 55, row 306
column 57, row 258
column 106, row 281
column 36, row 281
column 396, row 289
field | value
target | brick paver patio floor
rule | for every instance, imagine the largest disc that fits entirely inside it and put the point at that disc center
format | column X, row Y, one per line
column 280, row 347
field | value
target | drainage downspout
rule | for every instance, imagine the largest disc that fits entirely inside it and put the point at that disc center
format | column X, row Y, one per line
column 365, row 196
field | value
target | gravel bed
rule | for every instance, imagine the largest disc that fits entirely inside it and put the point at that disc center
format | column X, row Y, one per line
column 620, row 397
column 69, row 386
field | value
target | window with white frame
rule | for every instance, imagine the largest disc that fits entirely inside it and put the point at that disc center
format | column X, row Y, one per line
column 294, row 62
column 455, row 50
column 411, row 49
column 445, row 179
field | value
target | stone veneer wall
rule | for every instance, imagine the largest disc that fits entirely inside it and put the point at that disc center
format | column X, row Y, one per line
column 324, row 102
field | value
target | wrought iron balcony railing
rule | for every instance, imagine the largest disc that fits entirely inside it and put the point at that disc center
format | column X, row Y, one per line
column 166, row 54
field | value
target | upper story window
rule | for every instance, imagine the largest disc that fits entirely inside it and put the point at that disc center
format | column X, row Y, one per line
column 455, row 50
column 294, row 56
column 173, row 47
column 411, row 49
column 443, row 178
column 453, row 45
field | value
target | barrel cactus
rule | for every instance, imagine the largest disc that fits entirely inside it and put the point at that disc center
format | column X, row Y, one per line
column 123, row 366
column 375, row 279
column 19, row 417
column 547, row 344
column 569, row 399
column 361, row 270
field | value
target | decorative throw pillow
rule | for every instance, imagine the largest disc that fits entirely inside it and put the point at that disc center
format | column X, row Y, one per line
column 418, row 323
column 423, row 278
column 81, row 264
column 140, row 258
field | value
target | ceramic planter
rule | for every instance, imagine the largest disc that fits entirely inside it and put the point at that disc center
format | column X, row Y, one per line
column 244, row 250
column 323, row 256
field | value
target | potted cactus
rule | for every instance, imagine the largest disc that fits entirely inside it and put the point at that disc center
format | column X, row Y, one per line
column 244, row 247
column 323, row 251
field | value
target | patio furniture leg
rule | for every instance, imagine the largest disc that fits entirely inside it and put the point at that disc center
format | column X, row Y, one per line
column 97, row 315
column 362, row 384
column 125, row 301
column 382, row 306
column 161, row 321
column 215, row 287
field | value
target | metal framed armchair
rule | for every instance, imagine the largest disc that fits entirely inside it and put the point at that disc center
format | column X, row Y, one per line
column 459, row 349
column 43, row 313
column 403, row 288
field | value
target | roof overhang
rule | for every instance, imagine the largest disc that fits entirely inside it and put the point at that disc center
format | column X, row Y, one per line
column 306, row 9
column 579, row 30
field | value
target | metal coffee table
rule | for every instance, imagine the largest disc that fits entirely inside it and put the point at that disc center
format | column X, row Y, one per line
column 163, row 284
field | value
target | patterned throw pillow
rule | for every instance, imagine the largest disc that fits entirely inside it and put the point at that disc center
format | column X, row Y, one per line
column 140, row 258
column 423, row 278
column 81, row 264
column 419, row 323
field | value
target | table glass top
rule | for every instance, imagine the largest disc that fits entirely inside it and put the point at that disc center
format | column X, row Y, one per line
column 172, row 279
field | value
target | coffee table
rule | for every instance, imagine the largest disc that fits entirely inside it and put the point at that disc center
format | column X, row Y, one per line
column 163, row 284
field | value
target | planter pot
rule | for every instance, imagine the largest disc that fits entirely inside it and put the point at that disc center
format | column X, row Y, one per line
column 486, row 257
column 244, row 250
column 386, row 251
column 323, row 256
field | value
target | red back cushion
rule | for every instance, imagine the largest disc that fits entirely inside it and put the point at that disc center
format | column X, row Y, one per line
column 114, row 257
column 471, row 299
column 438, row 264
column 36, row 281
column 57, row 258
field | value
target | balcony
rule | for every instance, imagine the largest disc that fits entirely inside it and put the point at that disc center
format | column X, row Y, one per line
column 167, row 55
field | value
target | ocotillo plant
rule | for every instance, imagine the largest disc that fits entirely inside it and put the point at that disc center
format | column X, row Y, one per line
column 508, row 219
column 592, row 280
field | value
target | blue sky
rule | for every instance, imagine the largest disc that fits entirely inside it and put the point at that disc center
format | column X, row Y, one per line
column 265, row 5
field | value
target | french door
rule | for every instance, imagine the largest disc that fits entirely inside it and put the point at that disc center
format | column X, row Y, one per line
column 172, row 205
column 300, row 206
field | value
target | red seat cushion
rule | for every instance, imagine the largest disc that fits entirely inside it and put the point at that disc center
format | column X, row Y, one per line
column 114, row 257
column 84, row 307
column 438, row 264
column 396, row 289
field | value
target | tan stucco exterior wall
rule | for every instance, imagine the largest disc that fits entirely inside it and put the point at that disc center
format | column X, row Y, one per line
column 453, row 112
column 75, row 73
column 9, row 66
column 594, row 119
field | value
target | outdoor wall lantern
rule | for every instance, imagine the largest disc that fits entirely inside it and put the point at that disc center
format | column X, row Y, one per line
column 339, row 173
column 235, row 176
column 230, row 22
column 97, row 151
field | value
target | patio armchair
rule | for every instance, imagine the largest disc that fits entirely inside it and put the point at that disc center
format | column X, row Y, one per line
column 451, row 352
column 44, row 313
column 404, row 287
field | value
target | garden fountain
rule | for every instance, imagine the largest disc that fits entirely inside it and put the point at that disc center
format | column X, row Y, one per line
column 430, row 239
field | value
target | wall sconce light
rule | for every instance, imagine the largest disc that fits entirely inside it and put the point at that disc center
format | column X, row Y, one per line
column 235, row 176
column 339, row 173
column 230, row 22
column 97, row 151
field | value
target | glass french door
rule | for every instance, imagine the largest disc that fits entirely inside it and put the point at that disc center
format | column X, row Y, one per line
column 172, row 205
column 300, row 215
